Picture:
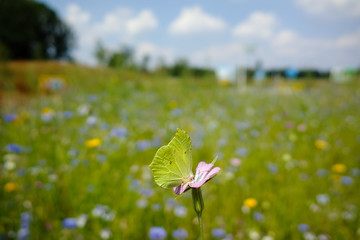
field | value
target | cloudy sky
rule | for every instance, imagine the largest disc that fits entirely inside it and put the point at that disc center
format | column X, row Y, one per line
column 279, row 33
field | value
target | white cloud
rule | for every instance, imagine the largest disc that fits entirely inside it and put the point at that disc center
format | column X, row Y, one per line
column 331, row 8
column 278, row 47
column 287, row 48
column 113, row 22
column 232, row 53
column 195, row 20
column 76, row 16
column 143, row 22
column 349, row 40
column 155, row 52
column 119, row 26
column 258, row 25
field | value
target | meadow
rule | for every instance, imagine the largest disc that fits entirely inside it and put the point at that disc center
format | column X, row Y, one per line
column 75, row 164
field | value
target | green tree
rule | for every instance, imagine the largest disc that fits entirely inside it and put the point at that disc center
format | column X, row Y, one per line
column 122, row 59
column 32, row 30
column 180, row 68
column 101, row 53
column 144, row 65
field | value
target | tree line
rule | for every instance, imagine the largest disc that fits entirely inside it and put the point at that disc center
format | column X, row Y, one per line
column 32, row 30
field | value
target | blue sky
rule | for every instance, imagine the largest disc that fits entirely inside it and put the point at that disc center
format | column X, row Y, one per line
column 279, row 33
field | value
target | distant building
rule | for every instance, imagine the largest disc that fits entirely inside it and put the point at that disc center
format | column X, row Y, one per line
column 226, row 74
column 291, row 73
column 342, row 75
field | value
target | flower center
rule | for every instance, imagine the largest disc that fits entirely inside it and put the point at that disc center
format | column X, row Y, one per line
column 189, row 179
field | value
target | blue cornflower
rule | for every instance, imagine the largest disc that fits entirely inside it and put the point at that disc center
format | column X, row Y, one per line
column 143, row 145
column 14, row 148
column 118, row 132
column 10, row 117
column 157, row 233
column 346, row 180
column 180, row 211
column 91, row 120
column 156, row 142
column 156, row 206
column 73, row 152
column 69, row 223
column 25, row 220
column 218, row 233
column 68, row 114
column 101, row 158
column 180, row 234
column 254, row 133
column 321, row 172
column 258, row 216
column 146, row 192
column 303, row 227
column 21, row 172
column 243, row 152
column 355, row 172
column 176, row 112
column 23, row 234
column 273, row 168
column 92, row 98
column 74, row 162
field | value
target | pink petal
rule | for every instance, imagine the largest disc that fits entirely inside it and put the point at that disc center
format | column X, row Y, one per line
column 203, row 167
column 208, row 176
column 181, row 188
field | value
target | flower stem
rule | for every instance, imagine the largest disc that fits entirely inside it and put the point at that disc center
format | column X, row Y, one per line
column 198, row 207
column 201, row 227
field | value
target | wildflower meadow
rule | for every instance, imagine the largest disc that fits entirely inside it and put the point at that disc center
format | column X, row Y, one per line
column 75, row 163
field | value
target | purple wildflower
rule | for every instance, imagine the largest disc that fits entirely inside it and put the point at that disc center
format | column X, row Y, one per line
column 204, row 172
column 180, row 234
column 23, row 234
column 67, row 114
column 92, row 98
column 91, row 120
column 146, row 192
column 143, row 145
column 258, row 216
column 157, row 233
column 69, row 223
column 10, row 117
column 101, row 158
column 303, row 227
column 243, row 152
column 118, row 132
column 14, row 148
column 346, row 180
column 321, row 172
column 218, row 233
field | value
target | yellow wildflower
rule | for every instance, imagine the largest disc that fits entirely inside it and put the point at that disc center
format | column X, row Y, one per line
column 339, row 168
column 19, row 121
column 173, row 104
column 321, row 144
column 24, row 114
column 250, row 202
column 46, row 110
column 336, row 177
column 224, row 82
column 10, row 187
column 92, row 143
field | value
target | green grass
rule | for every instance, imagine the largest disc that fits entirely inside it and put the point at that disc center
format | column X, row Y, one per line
column 58, row 177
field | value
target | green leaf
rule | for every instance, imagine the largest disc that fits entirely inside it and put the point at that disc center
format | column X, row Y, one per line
column 172, row 164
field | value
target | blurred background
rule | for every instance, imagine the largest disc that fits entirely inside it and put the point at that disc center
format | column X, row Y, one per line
column 89, row 91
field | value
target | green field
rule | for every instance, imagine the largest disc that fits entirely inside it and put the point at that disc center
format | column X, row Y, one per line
column 289, row 154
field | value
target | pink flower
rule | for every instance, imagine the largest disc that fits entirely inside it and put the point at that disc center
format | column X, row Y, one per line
column 204, row 172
